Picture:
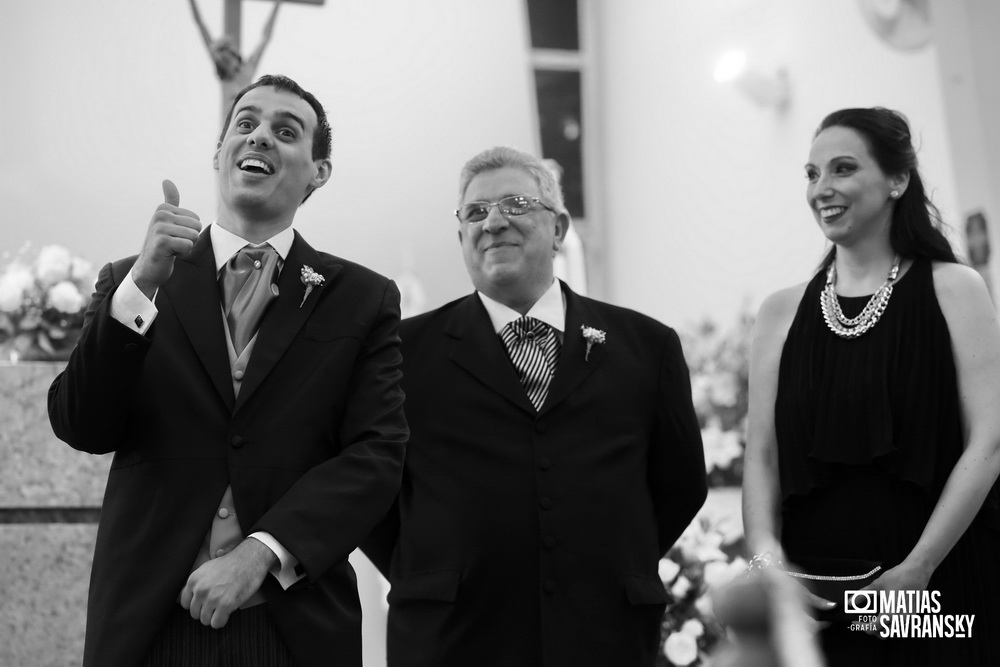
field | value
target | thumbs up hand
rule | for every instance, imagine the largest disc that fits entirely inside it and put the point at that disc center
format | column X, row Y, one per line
column 172, row 232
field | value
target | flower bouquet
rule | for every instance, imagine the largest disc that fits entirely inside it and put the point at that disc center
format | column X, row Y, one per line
column 42, row 304
column 719, row 362
column 701, row 560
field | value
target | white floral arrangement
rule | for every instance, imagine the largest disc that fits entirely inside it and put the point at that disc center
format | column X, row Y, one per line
column 42, row 303
column 719, row 362
column 703, row 559
column 593, row 337
column 310, row 279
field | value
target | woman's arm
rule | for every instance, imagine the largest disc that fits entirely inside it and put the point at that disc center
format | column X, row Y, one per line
column 761, row 488
column 975, row 340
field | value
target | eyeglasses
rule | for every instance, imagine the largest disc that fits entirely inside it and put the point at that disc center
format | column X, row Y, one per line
column 515, row 205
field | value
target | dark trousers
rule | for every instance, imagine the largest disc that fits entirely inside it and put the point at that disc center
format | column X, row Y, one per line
column 249, row 639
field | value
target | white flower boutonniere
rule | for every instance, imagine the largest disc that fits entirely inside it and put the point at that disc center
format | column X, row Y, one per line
column 310, row 279
column 593, row 337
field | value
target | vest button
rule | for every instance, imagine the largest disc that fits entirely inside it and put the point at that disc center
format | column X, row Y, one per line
column 545, row 503
column 223, row 512
column 236, row 441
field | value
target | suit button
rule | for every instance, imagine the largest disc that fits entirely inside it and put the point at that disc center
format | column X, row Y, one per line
column 549, row 542
column 236, row 441
column 549, row 586
column 540, row 427
column 545, row 503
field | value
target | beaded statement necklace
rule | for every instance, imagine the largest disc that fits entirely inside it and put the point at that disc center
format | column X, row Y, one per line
column 855, row 326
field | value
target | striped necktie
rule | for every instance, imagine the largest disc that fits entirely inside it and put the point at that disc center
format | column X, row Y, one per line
column 534, row 349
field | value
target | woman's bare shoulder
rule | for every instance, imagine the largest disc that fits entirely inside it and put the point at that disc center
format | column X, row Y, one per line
column 778, row 310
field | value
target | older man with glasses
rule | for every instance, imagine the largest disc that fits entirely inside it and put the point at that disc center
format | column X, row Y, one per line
column 554, row 454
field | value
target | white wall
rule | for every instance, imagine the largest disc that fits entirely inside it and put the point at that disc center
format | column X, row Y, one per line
column 704, row 191
column 103, row 99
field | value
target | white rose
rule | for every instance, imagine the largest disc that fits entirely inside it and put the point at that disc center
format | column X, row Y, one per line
column 693, row 627
column 721, row 447
column 723, row 389
column 54, row 264
column 680, row 587
column 81, row 268
column 13, row 284
column 704, row 605
column 716, row 573
column 66, row 298
column 668, row 570
column 681, row 649
column 700, row 394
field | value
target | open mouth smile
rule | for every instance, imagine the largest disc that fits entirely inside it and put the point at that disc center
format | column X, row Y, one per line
column 831, row 212
column 255, row 166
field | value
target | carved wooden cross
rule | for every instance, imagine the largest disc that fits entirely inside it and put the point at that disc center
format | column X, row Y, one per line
column 234, row 13
column 234, row 70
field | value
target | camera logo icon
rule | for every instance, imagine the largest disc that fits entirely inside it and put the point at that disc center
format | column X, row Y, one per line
column 860, row 602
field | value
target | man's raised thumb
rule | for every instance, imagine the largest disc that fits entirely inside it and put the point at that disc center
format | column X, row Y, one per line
column 170, row 194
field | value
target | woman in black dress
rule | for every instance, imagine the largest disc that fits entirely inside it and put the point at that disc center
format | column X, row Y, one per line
column 874, row 425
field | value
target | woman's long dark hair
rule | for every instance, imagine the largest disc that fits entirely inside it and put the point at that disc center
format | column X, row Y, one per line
column 915, row 229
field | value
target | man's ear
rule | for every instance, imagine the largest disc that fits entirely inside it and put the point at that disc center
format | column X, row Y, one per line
column 324, row 169
column 562, row 227
column 215, row 158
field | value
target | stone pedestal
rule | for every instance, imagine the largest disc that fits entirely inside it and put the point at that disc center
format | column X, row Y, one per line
column 45, row 565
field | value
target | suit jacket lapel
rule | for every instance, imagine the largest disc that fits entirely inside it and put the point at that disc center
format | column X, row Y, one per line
column 481, row 353
column 193, row 292
column 287, row 314
column 574, row 364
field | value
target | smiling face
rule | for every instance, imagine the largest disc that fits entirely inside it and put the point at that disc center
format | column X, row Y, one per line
column 510, row 259
column 848, row 192
column 265, row 161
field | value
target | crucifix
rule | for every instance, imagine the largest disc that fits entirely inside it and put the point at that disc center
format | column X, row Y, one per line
column 234, row 71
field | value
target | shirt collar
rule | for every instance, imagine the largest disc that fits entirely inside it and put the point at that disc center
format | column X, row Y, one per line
column 225, row 244
column 550, row 308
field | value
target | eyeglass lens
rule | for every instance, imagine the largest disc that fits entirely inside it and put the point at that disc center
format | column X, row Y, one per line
column 480, row 210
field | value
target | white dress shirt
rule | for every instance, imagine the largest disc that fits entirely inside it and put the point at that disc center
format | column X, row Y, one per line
column 550, row 308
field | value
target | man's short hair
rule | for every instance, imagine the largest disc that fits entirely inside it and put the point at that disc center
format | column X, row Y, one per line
column 321, row 145
column 501, row 157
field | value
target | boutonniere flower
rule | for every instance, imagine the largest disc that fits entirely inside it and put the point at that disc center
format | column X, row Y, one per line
column 593, row 337
column 310, row 279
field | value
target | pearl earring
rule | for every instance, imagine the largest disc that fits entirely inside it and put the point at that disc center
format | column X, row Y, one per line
column 894, row 194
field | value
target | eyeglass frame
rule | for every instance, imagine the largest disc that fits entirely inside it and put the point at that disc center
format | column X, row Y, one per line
column 505, row 214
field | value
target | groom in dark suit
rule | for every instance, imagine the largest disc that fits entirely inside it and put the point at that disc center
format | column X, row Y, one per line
column 554, row 454
column 249, row 388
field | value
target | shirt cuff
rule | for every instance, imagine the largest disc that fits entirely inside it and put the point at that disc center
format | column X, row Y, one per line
column 131, row 307
column 287, row 573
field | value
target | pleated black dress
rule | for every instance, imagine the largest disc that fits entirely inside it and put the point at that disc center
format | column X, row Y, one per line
column 868, row 431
